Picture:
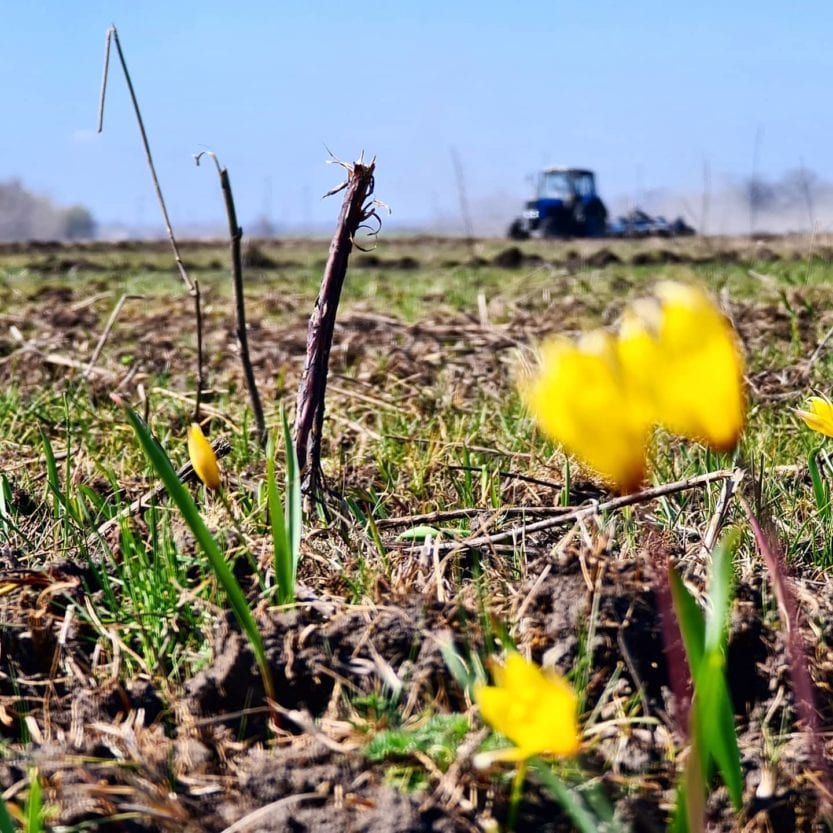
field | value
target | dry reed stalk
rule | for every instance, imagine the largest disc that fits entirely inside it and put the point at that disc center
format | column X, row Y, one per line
column 192, row 285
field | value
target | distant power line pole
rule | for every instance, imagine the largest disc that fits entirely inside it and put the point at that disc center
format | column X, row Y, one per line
column 464, row 203
column 753, row 185
column 707, row 192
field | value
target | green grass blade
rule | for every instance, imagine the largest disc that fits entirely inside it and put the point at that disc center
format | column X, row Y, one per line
column 6, row 823
column 281, row 544
column 185, row 503
column 419, row 533
column 456, row 666
column 565, row 489
column 52, row 480
column 691, row 620
column 286, row 521
column 34, row 804
column 572, row 803
column 715, row 724
column 293, row 514
column 714, row 717
column 821, row 494
column 721, row 589
column 705, row 639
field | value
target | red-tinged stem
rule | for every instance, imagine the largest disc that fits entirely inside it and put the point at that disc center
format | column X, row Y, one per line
column 682, row 686
column 803, row 690
column 679, row 675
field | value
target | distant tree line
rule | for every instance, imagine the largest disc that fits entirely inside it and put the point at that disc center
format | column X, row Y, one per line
column 25, row 216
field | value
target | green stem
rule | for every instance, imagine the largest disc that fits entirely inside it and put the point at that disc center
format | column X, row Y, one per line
column 221, row 493
column 515, row 796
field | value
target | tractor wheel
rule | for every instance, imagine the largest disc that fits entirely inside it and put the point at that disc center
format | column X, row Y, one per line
column 591, row 219
column 556, row 225
column 517, row 231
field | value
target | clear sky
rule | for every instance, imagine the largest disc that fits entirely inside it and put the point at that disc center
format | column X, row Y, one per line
column 643, row 92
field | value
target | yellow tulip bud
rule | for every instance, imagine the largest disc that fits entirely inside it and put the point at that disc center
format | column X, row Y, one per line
column 203, row 458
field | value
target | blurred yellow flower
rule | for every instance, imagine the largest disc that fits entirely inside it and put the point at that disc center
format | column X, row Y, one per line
column 820, row 415
column 533, row 708
column 581, row 398
column 698, row 375
column 203, row 458
column 675, row 362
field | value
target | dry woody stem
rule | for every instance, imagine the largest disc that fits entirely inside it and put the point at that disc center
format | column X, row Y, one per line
column 235, row 236
column 356, row 209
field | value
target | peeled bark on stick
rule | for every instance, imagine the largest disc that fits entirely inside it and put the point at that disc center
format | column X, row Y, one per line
column 309, row 410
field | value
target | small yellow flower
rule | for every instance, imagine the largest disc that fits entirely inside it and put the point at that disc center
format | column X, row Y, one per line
column 533, row 708
column 820, row 415
column 203, row 458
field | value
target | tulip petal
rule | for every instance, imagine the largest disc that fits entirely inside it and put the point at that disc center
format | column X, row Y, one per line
column 699, row 383
column 675, row 362
column 580, row 399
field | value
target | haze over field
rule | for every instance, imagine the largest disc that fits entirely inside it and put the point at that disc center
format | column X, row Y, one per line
column 674, row 108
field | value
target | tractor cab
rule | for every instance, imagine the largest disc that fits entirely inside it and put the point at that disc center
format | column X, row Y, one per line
column 565, row 205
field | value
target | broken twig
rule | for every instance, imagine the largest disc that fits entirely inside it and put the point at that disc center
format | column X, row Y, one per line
column 107, row 329
column 356, row 210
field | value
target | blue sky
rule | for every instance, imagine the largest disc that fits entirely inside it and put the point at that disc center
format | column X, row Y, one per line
column 643, row 92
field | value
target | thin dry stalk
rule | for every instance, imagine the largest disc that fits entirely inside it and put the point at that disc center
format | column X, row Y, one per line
column 721, row 509
column 818, row 352
column 107, row 330
column 356, row 209
column 192, row 285
column 457, row 514
column 235, row 236
column 518, row 533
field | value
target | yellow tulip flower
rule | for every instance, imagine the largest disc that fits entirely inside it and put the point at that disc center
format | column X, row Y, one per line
column 675, row 362
column 820, row 415
column 203, row 458
column 581, row 398
column 533, row 708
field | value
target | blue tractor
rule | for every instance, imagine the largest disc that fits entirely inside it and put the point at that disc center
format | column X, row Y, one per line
column 565, row 205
